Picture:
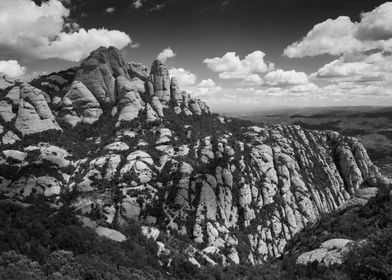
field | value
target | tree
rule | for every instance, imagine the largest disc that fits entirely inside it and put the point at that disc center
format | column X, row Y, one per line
column 16, row 267
column 371, row 259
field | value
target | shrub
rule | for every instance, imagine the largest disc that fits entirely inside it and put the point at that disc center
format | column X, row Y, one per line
column 371, row 259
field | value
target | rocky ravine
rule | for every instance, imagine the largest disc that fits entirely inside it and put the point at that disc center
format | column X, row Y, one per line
column 118, row 143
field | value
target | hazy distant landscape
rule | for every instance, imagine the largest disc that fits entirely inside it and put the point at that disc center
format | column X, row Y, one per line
column 372, row 125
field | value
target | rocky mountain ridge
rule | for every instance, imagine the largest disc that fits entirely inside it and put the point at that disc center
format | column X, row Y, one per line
column 119, row 143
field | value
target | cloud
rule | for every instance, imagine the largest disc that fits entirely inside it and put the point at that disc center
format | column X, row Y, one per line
column 166, row 54
column 134, row 45
column 42, row 32
column 339, row 68
column 11, row 68
column 206, row 87
column 208, row 83
column 205, row 91
column 184, row 77
column 364, row 68
column 377, row 24
column 284, row 78
column 333, row 37
column 110, row 10
column 158, row 7
column 230, row 66
column 253, row 79
column 342, row 36
column 75, row 46
column 137, row 4
column 309, row 88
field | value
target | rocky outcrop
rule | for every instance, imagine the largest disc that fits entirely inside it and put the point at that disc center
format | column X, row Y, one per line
column 80, row 105
column 34, row 114
column 129, row 100
column 175, row 92
column 162, row 159
column 99, row 72
column 272, row 182
column 137, row 70
column 329, row 254
column 160, row 81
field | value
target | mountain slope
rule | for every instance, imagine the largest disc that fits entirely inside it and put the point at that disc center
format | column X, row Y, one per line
column 117, row 144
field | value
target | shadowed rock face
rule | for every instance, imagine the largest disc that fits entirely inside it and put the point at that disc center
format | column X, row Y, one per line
column 137, row 70
column 99, row 72
column 152, row 153
column 80, row 105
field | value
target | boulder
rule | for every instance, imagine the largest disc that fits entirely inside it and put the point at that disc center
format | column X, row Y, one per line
column 13, row 95
column 6, row 113
column 5, row 82
column 110, row 234
column 10, row 138
column 329, row 254
column 151, row 115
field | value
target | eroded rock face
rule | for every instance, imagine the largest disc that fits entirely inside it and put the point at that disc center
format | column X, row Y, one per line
column 34, row 114
column 99, row 72
column 138, row 70
column 173, row 166
column 160, row 80
column 129, row 100
column 272, row 182
column 175, row 92
column 80, row 105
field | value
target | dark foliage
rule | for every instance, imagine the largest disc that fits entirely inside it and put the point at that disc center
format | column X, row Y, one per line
column 372, row 258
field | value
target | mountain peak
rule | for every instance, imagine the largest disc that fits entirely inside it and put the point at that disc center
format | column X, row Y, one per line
column 120, row 144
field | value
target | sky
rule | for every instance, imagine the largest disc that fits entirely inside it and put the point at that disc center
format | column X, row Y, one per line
column 237, row 55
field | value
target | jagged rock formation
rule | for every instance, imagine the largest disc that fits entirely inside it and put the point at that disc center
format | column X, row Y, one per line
column 80, row 105
column 99, row 72
column 131, row 145
column 159, row 81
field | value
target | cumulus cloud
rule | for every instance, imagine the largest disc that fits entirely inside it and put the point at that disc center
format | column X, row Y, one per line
column 42, row 32
column 206, row 87
column 201, row 92
column 110, row 10
column 134, row 45
column 374, row 67
column 342, row 36
column 166, row 54
column 230, row 66
column 333, row 37
column 208, row 83
column 11, row 68
column 308, row 88
column 137, row 4
column 184, row 77
column 283, row 78
column 339, row 68
column 377, row 24
column 253, row 79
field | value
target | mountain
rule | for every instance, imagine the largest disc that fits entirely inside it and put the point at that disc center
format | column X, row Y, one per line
column 116, row 143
